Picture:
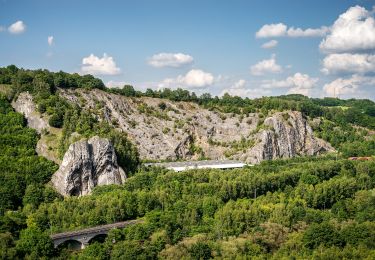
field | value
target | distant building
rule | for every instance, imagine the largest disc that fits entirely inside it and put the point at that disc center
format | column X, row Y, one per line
column 207, row 164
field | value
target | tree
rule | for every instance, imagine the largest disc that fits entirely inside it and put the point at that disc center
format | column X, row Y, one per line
column 7, row 250
column 127, row 250
column 322, row 234
column 33, row 195
column 127, row 153
column 34, row 243
column 162, row 105
column 200, row 250
column 128, row 91
column 56, row 120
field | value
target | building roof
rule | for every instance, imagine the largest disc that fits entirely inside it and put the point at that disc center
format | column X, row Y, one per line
column 214, row 164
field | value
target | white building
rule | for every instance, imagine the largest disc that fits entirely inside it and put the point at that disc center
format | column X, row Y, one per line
column 207, row 164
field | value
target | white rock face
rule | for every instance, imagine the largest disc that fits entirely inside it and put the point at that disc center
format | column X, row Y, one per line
column 285, row 138
column 172, row 133
column 86, row 164
column 25, row 105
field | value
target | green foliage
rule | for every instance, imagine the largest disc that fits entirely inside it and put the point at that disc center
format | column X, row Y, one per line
column 56, row 120
column 7, row 250
column 19, row 165
column 128, row 250
column 127, row 153
column 162, row 105
column 127, row 91
column 322, row 234
column 33, row 243
column 200, row 250
column 347, row 139
column 261, row 206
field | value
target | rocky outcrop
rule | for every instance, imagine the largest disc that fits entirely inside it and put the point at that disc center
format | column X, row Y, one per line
column 178, row 129
column 24, row 104
column 165, row 134
column 47, row 145
column 86, row 164
column 285, row 135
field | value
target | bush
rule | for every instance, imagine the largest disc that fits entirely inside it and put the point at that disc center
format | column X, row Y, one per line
column 56, row 120
column 200, row 250
column 35, row 244
column 322, row 234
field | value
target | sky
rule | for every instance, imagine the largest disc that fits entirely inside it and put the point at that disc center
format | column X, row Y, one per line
column 245, row 48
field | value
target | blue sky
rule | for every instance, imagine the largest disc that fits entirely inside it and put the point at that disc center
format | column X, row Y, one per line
column 203, row 46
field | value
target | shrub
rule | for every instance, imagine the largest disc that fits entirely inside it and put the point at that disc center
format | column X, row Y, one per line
column 56, row 120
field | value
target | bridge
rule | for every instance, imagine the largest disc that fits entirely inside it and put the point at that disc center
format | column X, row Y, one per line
column 84, row 236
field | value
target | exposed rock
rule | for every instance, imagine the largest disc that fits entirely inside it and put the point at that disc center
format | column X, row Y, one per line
column 285, row 135
column 86, row 164
column 25, row 105
column 47, row 145
column 183, row 149
column 168, row 134
column 186, row 122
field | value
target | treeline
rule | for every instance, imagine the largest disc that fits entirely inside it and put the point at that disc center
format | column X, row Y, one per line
column 46, row 81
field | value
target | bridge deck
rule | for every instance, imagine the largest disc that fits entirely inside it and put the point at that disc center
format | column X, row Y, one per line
column 95, row 229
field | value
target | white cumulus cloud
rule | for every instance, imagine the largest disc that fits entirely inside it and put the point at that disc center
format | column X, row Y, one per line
column 116, row 84
column 193, row 79
column 309, row 32
column 271, row 30
column 348, row 63
column 173, row 60
column 99, row 66
column 17, row 28
column 297, row 84
column 50, row 40
column 238, row 89
column 354, row 30
column 269, row 45
column 197, row 78
column 239, row 84
column 342, row 86
column 280, row 30
column 266, row 66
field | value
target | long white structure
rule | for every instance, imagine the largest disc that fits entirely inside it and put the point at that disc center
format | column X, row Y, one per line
column 206, row 164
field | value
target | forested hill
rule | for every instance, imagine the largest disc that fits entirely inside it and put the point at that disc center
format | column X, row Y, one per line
column 314, row 207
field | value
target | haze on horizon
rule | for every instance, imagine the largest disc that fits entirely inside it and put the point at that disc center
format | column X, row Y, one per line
column 245, row 48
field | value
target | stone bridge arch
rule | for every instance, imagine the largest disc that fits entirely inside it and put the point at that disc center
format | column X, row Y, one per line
column 71, row 244
column 83, row 239
column 84, row 236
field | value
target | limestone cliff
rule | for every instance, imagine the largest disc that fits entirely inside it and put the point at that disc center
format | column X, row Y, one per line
column 284, row 135
column 25, row 105
column 181, row 130
column 86, row 164
column 47, row 146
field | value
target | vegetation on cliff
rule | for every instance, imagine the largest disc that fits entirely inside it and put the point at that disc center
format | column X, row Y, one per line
column 338, row 116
